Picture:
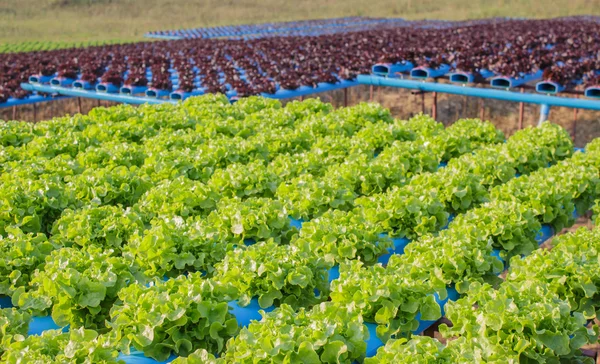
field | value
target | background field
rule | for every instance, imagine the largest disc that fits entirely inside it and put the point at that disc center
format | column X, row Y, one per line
column 90, row 20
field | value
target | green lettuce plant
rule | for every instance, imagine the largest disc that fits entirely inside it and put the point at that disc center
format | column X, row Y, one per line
column 178, row 316
column 77, row 286
column 327, row 333
column 274, row 274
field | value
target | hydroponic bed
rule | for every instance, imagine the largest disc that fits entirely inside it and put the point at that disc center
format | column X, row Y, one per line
column 208, row 232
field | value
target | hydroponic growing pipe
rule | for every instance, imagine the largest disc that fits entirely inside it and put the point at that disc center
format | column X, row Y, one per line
column 92, row 94
column 468, row 77
column 480, row 92
column 549, row 87
column 427, row 72
column 29, row 100
column 510, row 82
column 593, row 92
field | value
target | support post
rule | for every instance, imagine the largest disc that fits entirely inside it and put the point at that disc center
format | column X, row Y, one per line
column 574, row 130
column 34, row 112
column 79, row 105
column 14, row 112
column 423, row 102
column 481, row 109
column 434, row 106
column 544, row 112
column 464, row 108
column 346, row 97
column 370, row 93
column 521, row 112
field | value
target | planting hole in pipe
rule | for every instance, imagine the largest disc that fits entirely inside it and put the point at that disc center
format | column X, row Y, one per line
column 419, row 73
column 501, row 82
column 176, row 96
column 55, row 82
column 151, row 93
column 34, row 79
column 101, row 88
column 459, row 78
column 126, row 90
column 546, row 88
column 78, row 84
column 593, row 92
column 381, row 69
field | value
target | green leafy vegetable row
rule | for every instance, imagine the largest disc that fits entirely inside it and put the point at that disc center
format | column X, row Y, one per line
column 309, row 196
column 538, row 315
column 424, row 204
column 392, row 297
column 337, row 236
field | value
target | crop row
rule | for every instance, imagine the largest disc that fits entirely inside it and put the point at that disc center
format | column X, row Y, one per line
column 564, row 49
column 538, row 314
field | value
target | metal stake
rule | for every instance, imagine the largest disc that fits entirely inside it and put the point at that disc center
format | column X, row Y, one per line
column 346, row 97
column 481, row 109
column 521, row 112
column 434, row 106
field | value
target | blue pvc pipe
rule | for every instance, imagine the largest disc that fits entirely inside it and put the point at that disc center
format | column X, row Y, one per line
column 486, row 73
column 297, row 223
column 132, row 90
column 138, row 357
column 61, row 81
column 107, row 88
column 398, row 248
column 245, row 315
column 182, row 95
column 391, row 69
column 84, row 85
column 480, row 92
column 334, row 273
column 161, row 36
column 426, row 72
column 544, row 234
column 5, row 302
column 37, row 325
column 156, row 93
column 549, row 87
column 31, row 99
column 40, row 79
column 462, row 77
column 468, row 77
column 593, row 92
column 92, row 94
column 509, row 82
column 307, row 90
column 373, row 343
